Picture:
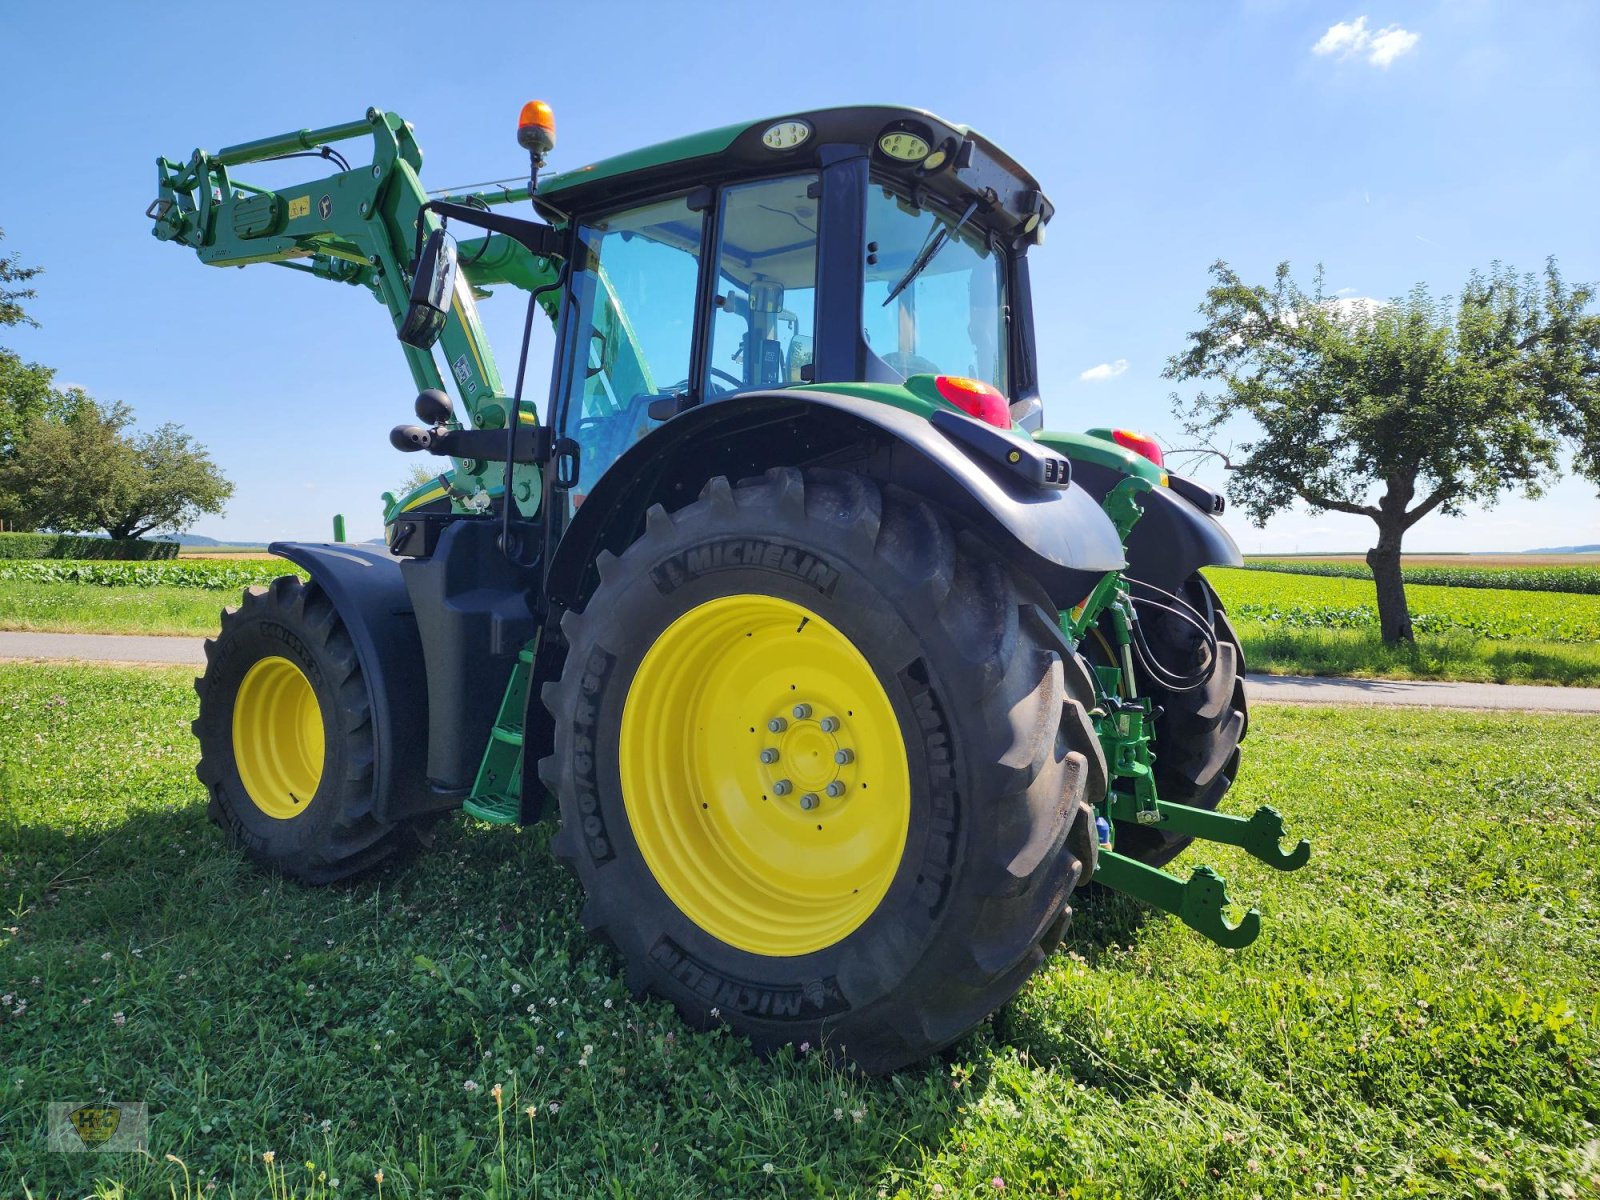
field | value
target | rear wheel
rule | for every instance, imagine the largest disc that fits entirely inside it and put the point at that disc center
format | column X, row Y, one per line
column 286, row 745
column 1198, row 733
column 824, row 767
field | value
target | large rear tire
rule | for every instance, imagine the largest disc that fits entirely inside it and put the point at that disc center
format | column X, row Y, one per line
column 286, row 743
column 1198, row 733
column 930, row 722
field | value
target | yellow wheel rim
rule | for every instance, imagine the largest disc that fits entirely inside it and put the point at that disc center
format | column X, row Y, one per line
column 277, row 737
column 764, row 775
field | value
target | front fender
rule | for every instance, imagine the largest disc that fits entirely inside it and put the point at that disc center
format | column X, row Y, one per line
column 1058, row 535
column 370, row 596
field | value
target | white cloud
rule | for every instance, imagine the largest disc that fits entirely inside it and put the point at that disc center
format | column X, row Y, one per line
column 1106, row 370
column 1348, row 39
column 1349, row 307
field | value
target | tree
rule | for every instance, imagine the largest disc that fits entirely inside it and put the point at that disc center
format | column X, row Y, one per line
column 1394, row 411
column 11, row 298
column 82, row 470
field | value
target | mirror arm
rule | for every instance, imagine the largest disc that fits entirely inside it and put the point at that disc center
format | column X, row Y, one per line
column 542, row 240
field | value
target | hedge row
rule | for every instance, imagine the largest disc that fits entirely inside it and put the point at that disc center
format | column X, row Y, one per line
column 66, row 545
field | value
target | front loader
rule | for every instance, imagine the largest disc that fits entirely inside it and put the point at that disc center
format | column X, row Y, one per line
column 839, row 672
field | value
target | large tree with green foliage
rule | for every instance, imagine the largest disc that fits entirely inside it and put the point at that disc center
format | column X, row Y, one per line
column 1394, row 411
column 68, row 463
column 83, row 470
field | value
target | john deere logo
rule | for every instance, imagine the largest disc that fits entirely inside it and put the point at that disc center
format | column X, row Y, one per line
column 95, row 1123
column 325, row 207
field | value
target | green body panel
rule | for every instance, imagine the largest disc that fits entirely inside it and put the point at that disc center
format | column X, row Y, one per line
column 918, row 394
column 1084, row 447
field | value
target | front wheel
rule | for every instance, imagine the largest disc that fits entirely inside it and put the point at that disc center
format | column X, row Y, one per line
column 824, row 767
column 286, row 741
column 1197, row 732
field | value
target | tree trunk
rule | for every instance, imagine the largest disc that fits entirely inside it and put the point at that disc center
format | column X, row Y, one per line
column 1394, row 616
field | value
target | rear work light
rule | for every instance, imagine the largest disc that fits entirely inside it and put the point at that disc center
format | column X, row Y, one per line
column 975, row 398
column 1139, row 443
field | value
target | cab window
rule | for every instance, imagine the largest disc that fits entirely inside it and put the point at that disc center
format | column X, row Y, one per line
column 634, row 323
column 950, row 317
column 763, row 322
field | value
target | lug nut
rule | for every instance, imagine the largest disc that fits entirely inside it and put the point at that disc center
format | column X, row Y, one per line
column 835, row 788
column 777, row 725
column 843, row 756
column 829, row 724
column 782, row 788
column 769, row 755
column 809, row 801
column 802, row 711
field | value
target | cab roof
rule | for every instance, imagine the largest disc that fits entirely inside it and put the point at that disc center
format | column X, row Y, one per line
column 970, row 165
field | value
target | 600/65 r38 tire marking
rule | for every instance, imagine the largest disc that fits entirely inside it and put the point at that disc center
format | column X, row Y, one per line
column 940, row 657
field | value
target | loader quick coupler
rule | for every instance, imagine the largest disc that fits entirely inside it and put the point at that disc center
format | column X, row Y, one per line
column 1124, row 722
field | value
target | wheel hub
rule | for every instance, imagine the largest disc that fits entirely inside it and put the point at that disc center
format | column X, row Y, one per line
column 764, row 775
column 278, row 744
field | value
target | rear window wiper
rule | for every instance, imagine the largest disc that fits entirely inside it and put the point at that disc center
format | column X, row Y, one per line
column 935, row 242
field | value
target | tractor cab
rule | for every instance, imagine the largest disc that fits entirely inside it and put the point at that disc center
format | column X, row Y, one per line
column 843, row 245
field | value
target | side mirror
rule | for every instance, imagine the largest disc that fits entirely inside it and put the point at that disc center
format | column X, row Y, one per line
column 431, row 290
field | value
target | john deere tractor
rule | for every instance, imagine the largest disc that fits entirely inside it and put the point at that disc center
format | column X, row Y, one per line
column 839, row 673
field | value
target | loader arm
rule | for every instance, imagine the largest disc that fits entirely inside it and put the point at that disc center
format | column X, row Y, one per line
column 359, row 226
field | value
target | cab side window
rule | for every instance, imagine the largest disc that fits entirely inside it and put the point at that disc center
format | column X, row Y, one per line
column 763, row 317
column 634, row 316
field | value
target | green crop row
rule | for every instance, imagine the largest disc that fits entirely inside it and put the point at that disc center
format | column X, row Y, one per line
column 1583, row 580
column 210, row 574
column 1299, row 601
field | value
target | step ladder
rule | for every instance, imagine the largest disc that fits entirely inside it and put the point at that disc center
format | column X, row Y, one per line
column 497, row 792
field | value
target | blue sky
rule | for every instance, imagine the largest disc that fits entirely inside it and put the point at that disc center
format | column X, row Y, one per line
column 1420, row 141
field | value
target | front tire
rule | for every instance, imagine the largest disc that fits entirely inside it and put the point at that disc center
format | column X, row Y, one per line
column 919, row 701
column 1197, row 735
column 286, row 742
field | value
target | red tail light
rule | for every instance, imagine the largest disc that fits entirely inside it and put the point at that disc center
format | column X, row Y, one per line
column 976, row 398
column 1139, row 443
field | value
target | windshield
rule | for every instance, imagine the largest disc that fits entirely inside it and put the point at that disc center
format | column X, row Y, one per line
column 950, row 318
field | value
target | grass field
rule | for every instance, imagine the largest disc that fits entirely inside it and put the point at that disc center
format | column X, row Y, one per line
column 1419, row 1019
column 1289, row 623
column 1308, row 625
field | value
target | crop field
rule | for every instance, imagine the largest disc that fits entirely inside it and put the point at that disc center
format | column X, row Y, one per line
column 1304, row 624
column 1418, row 1019
column 1467, row 572
column 175, row 596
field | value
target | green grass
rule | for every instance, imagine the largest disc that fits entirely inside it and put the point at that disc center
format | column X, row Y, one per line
column 1306, row 625
column 86, row 608
column 1419, row 1018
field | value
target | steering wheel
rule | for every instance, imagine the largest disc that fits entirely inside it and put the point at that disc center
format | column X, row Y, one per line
column 721, row 374
column 683, row 384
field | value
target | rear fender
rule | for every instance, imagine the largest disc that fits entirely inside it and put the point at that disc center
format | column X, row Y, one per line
column 368, row 592
column 1057, row 535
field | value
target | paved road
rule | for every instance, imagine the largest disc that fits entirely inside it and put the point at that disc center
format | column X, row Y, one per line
column 1305, row 689
column 1288, row 689
column 96, row 647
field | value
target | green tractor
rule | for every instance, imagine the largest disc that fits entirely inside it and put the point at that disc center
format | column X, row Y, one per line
column 839, row 672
